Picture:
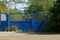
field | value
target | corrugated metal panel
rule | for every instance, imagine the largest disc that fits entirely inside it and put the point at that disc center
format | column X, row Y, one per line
column 25, row 26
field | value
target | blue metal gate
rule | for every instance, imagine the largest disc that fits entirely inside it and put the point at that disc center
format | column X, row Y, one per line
column 24, row 25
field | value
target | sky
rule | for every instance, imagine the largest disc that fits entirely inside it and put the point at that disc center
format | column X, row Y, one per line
column 19, row 6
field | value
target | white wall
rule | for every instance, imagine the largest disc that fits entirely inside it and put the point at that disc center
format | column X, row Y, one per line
column 3, row 17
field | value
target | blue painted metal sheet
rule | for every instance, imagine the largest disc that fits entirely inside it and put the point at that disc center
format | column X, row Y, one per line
column 36, row 26
column 25, row 26
column 22, row 25
column 3, row 25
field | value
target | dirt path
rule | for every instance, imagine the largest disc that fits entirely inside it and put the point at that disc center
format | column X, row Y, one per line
column 24, row 36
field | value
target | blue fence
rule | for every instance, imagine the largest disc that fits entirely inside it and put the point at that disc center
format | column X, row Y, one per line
column 25, row 26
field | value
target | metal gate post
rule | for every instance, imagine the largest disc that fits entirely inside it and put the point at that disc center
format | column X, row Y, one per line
column 0, row 19
column 8, row 20
column 32, row 19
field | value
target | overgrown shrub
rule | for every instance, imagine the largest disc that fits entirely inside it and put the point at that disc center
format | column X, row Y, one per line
column 12, row 28
column 31, row 31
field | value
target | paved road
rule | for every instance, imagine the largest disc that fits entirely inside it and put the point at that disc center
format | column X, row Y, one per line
column 25, row 36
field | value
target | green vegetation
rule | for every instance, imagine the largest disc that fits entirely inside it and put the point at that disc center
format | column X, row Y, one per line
column 20, row 17
column 54, row 20
column 3, row 8
column 13, row 29
column 50, row 11
column 14, row 11
column 31, row 31
column 40, row 6
column 16, row 17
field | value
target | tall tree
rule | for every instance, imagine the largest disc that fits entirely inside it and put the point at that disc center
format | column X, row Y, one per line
column 3, row 8
column 41, row 6
column 46, row 4
column 54, row 21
